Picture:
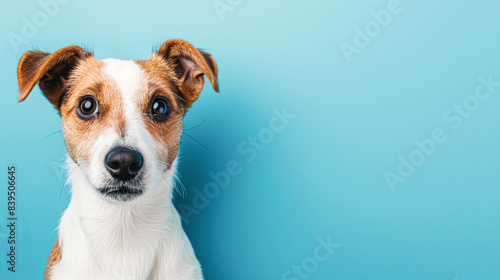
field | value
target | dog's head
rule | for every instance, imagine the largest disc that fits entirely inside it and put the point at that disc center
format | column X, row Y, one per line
column 122, row 119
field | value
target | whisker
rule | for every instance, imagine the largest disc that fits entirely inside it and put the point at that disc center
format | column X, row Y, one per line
column 160, row 177
column 178, row 180
column 53, row 133
column 175, row 187
column 196, row 126
column 64, row 184
column 58, row 164
column 192, row 138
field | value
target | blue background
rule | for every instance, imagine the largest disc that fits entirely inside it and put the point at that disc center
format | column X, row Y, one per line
column 323, row 175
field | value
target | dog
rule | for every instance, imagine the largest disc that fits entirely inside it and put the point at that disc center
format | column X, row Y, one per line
column 122, row 124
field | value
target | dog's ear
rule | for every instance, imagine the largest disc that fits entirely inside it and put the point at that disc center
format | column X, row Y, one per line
column 190, row 66
column 50, row 71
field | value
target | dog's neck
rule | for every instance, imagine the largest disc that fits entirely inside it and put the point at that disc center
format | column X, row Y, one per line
column 118, row 239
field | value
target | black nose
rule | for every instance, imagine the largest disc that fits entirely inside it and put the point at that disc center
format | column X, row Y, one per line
column 123, row 163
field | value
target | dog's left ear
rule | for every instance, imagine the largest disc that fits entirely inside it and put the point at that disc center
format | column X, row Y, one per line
column 190, row 66
column 50, row 71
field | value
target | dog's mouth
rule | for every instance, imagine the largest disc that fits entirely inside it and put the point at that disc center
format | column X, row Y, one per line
column 121, row 191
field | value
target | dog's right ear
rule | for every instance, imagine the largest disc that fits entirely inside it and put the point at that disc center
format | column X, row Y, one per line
column 50, row 71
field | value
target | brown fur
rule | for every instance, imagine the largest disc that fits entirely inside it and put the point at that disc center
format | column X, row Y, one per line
column 50, row 71
column 190, row 65
column 55, row 257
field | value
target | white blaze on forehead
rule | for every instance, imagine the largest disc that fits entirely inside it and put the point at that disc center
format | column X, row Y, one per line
column 128, row 77
column 127, row 74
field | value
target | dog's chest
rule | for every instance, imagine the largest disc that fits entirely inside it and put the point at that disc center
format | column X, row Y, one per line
column 124, row 246
column 112, row 251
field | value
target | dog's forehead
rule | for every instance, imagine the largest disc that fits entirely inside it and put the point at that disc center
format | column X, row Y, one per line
column 126, row 74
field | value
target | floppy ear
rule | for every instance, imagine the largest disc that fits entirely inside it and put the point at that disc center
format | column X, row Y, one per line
column 190, row 66
column 50, row 71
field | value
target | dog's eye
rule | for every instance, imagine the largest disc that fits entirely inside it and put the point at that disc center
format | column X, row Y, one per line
column 88, row 107
column 159, row 108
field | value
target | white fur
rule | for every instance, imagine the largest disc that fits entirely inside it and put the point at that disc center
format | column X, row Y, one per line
column 140, row 239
